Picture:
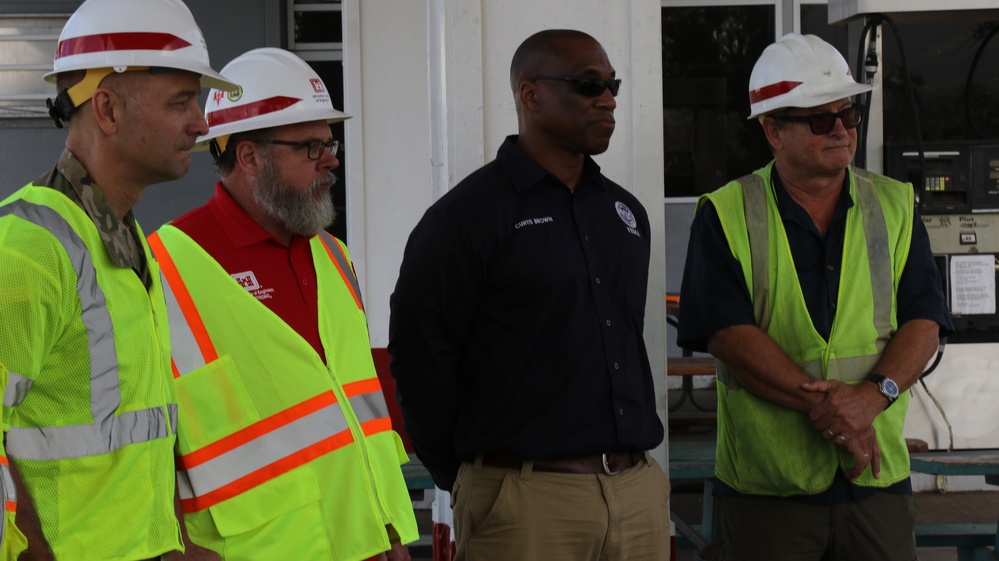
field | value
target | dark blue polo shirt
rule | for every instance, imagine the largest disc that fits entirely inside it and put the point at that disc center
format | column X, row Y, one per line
column 714, row 294
column 517, row 320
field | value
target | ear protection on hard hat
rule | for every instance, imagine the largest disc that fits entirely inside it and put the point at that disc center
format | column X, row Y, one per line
column 800, row 71
column 105, row 36
column 276, row 88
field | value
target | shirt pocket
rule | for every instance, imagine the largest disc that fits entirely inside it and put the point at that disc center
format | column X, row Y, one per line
column 268, row 501
column 212, row 403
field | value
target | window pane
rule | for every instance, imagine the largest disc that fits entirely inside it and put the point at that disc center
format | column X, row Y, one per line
column 815, row 21
column 708, row 54
column 318, row 27
column 940, row 69
column 331, row 71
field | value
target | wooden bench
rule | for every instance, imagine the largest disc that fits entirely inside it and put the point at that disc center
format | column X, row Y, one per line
column 974, row 542
column 687, row 367
column 690, row 366
column 955, row 535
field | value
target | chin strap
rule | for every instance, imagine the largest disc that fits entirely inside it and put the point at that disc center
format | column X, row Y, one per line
column 69, row 99
column 61, row 108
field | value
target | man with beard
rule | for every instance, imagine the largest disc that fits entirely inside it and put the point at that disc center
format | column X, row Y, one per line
column 285, row 449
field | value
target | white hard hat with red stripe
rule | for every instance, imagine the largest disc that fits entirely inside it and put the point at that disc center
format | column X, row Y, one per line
column 800, row 71
column 105, row 36
column 276, row 88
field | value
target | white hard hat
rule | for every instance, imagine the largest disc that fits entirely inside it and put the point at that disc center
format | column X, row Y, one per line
column 800, row 71
column 276, row 88
column 144, row 33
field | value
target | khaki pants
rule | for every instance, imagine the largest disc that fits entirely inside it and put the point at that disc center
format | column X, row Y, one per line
column 525, row 515
column 878, row 528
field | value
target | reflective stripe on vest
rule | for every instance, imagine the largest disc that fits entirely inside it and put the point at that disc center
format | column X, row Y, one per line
column 276, row 445
column 339, row 259
column 755, row 201
column 9, row 491
column 9, row 497
column 108, row 432
column 190, row 346
column 270, row 447
column 17, row 389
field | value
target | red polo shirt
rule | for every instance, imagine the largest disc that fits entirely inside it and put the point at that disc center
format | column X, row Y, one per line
column 283, row 278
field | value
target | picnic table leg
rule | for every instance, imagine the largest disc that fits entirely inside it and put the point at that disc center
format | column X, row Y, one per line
column 708, row 512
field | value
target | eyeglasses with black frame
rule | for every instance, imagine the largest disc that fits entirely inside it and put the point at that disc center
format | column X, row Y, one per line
column 315, row 147
column 586, row 86
column 823, row 123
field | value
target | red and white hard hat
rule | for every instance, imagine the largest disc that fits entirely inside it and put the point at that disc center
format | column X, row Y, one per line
column 800, row 71
column 118, row 34
column 276, row 88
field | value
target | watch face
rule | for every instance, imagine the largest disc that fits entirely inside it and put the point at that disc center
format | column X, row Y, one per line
column 890, row 387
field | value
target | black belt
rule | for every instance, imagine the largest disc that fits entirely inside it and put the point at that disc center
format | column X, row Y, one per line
column 609, row 463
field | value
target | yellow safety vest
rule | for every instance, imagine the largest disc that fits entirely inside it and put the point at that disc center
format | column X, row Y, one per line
column 12, row 541
column 282, row 456
column 91, row 421
column 763, row 448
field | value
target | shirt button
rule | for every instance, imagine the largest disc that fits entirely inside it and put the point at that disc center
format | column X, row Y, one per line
column 617, row 366
column 608, row 323
column 620, row 412
column 305, row 282
column 831, row 268
column 598, row 280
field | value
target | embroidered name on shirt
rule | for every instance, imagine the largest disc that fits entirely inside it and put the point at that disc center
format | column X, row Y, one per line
column 627, row 217
column 533, row 221
column 248, row 280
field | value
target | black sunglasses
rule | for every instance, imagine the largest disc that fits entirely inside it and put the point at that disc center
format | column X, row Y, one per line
column 587, row 86
column 822, row 123
column 315, row 147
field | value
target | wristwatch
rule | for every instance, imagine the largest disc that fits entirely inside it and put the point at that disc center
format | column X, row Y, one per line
column 886, row 386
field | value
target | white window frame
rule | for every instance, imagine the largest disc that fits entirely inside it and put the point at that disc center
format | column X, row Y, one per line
column 43, row 29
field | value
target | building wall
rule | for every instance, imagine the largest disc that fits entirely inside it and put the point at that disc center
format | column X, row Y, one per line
column 428, row 87
column 30, row 147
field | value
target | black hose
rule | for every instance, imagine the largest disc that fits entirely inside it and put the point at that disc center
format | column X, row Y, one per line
column 911, row 97
column 862, row 73
column 967, row 85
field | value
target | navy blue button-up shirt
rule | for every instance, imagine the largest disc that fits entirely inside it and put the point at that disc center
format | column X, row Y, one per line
column 517, row 320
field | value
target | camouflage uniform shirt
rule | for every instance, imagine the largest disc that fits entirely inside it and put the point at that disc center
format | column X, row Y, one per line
column 121, row 237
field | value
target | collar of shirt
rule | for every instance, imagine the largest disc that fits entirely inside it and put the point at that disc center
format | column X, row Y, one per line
column 238, row 226
column 526, row 173
column 790, row 209
column 121, row 237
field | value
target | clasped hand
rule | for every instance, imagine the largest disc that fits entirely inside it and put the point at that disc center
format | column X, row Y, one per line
column 845, row 417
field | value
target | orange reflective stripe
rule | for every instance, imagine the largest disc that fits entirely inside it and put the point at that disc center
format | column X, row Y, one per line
column 375, row 426
column 346, row 279
column 173, row 368
column 184, row 300
column 10, row 505
column 256, row 430
column 362, row 386
column 267, row 473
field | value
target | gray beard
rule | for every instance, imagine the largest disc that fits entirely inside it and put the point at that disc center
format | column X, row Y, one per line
column 300, row 213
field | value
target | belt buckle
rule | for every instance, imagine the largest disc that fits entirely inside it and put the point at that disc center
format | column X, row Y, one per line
column 607, row 469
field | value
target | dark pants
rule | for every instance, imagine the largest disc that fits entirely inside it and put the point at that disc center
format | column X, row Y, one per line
column 771, row 528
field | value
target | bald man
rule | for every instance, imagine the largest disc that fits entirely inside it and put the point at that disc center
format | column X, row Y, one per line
column 516, row 332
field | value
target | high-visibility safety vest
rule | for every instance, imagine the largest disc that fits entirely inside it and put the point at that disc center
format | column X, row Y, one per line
column 282, row 456
column 12, row 541
column 763, row 448
column 92, row 420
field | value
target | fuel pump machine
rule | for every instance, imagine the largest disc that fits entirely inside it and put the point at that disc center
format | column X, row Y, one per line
column 959, row 202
